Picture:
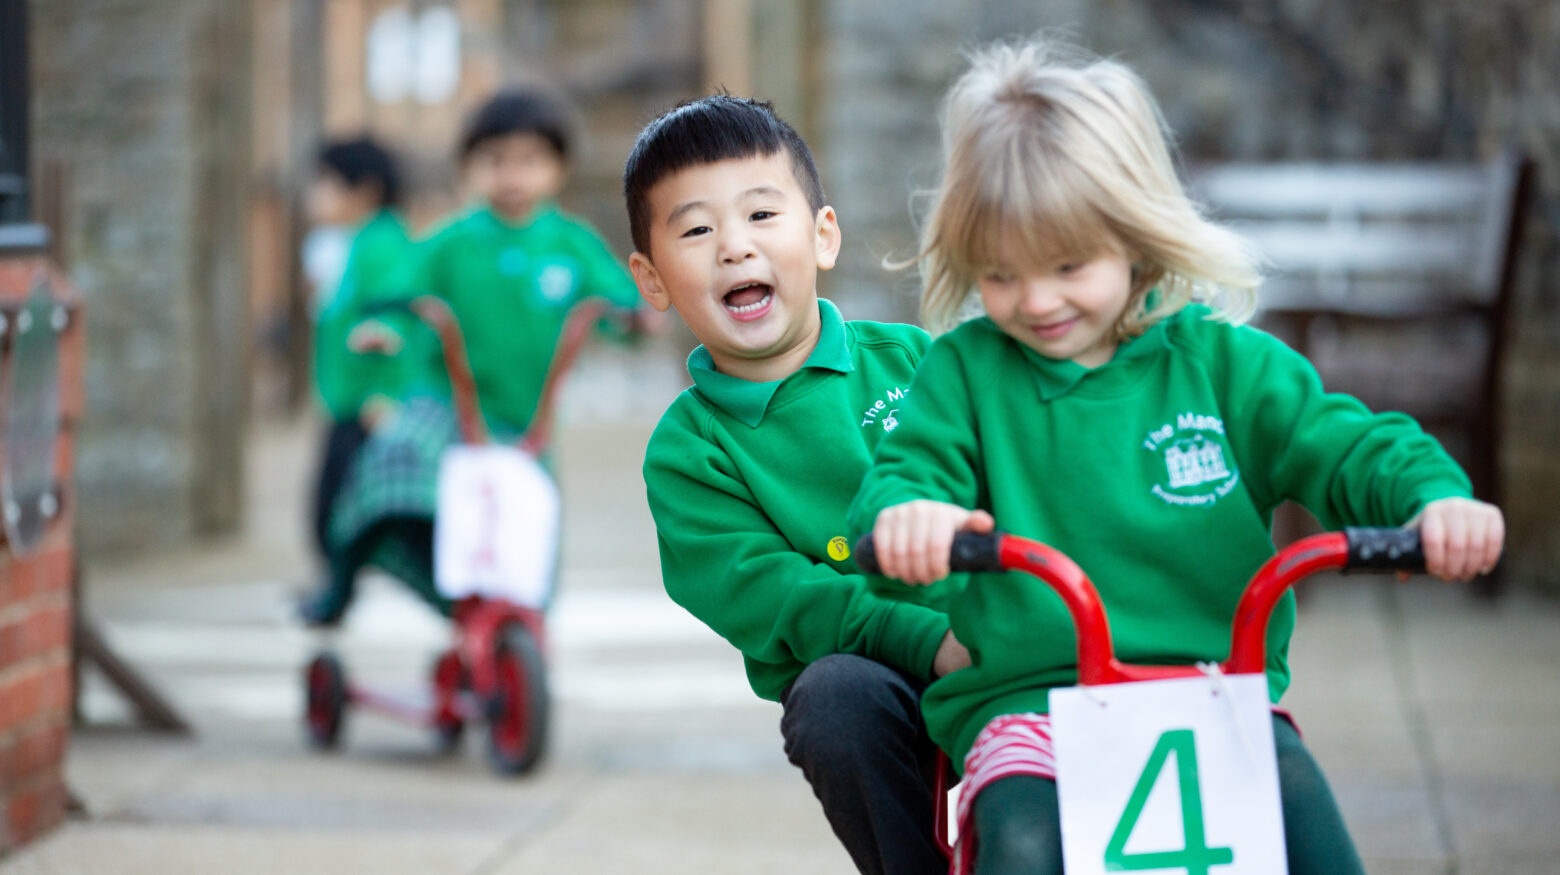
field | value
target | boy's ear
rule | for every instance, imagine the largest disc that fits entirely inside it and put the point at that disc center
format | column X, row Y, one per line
column 648, row 281
column 826, row 233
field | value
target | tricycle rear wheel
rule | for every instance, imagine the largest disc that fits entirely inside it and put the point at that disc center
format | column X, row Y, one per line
column 325, row 703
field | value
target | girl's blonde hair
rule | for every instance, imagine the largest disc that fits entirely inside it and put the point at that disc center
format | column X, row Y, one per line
column 1067, row 155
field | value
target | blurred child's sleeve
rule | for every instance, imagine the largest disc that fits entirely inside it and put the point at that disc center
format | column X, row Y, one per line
column 415, row 271
column 1327, row 451
column 605, row 274
column 725, row 562
column 933, row 453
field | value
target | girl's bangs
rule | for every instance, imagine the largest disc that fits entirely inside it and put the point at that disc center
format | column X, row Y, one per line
column 1028, row 213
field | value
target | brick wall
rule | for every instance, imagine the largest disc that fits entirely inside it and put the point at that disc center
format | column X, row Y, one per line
column 35, row 622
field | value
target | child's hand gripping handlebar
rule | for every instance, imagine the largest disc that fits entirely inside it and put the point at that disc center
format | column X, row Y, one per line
column 1355, row 549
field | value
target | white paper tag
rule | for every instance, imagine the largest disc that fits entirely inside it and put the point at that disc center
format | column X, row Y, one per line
column 1173, row 776
column 496, row 529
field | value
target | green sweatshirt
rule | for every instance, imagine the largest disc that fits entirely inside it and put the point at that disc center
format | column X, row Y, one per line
column 346, row 379
column 1157, row 473
column 511, row 287
column 749, row 482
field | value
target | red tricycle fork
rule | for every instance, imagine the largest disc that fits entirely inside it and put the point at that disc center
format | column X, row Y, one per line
column 483, row 623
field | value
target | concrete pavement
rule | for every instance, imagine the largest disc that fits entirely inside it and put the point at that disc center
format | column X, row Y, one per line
column 1434, row 717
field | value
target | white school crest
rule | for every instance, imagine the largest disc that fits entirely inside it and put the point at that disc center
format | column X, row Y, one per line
column 556, row 282
column 884, row 409
column 1198, row 470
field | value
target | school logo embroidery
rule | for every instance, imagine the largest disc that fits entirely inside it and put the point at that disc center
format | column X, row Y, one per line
column 555, row 281
column 1197, row 469
column 839, row 548
column 883, row 410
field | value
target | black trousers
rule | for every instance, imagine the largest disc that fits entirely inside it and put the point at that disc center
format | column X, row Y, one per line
column 853, row 726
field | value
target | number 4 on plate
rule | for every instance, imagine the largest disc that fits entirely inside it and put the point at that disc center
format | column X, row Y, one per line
column 1173, row 776
column 1196, row 857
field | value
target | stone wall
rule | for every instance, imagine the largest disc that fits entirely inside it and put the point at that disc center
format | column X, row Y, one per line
column 1316, row 80
column 142, row 103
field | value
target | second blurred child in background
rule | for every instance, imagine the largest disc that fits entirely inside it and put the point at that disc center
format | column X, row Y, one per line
column 356, row 240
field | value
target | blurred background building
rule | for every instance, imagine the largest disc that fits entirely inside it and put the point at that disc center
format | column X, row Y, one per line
column 179, row 135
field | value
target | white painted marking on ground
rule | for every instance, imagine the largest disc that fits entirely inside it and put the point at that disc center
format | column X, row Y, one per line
column 613, row 650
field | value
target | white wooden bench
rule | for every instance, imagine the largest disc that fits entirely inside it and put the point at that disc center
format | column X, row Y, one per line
column 1395, row 280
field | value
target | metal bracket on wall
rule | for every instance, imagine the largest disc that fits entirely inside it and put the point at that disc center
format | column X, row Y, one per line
column 153, row 711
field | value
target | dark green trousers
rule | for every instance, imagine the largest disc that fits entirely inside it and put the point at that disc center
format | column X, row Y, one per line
column 1018, row 820
column 401, row 546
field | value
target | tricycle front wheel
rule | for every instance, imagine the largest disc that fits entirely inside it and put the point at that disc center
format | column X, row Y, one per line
column 518, row 710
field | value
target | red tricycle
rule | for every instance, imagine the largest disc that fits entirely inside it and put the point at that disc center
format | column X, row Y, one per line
column 1096, row 834
column 497, row 512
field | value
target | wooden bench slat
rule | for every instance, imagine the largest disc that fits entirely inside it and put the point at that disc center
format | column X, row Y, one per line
column 1394, row 279
column 1294, row 247
column 1376, row 298
column 1405, row 190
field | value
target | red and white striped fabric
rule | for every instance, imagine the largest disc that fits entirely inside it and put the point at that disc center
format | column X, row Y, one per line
column 1013, row 744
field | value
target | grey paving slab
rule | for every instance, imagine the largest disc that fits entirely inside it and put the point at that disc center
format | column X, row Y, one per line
column 159, row 849
column 710, row 823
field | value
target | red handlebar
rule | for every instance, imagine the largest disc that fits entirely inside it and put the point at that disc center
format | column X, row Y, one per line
column 463, row 384
column 1097, row 663
column 1361, row 549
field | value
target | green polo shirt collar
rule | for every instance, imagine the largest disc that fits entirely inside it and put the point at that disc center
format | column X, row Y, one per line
column 1056, row 377
column 747, row 401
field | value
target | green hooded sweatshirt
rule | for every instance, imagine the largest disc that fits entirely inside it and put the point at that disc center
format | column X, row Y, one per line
column 1157, row 473
column 347, row 379
column 749, row 482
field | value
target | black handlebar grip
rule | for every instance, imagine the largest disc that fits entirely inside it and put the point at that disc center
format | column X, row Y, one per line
column 1384, row 550
column 866, row 555
column 970, row 552
column 973, row 552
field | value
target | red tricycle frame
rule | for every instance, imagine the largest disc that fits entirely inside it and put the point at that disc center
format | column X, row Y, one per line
column 1353, row 549
column 495, row 670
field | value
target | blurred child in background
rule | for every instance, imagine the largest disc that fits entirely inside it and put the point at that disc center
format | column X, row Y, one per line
column 356, row 240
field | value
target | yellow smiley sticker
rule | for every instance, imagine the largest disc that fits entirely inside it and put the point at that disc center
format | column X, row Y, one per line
column 839, row 548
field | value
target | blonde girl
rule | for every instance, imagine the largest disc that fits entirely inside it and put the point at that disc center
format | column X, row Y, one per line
column 1106, row 401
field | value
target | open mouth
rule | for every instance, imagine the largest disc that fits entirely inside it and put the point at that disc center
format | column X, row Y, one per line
column 749, row 300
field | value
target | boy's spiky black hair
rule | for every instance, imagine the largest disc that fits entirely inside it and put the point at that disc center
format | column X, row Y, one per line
column 520, row 111
column 362, row 160
column 703, row 131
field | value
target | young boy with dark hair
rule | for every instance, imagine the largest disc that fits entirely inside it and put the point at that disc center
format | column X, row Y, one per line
column 510, row 268
column 750, row 471
column 513, row 265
